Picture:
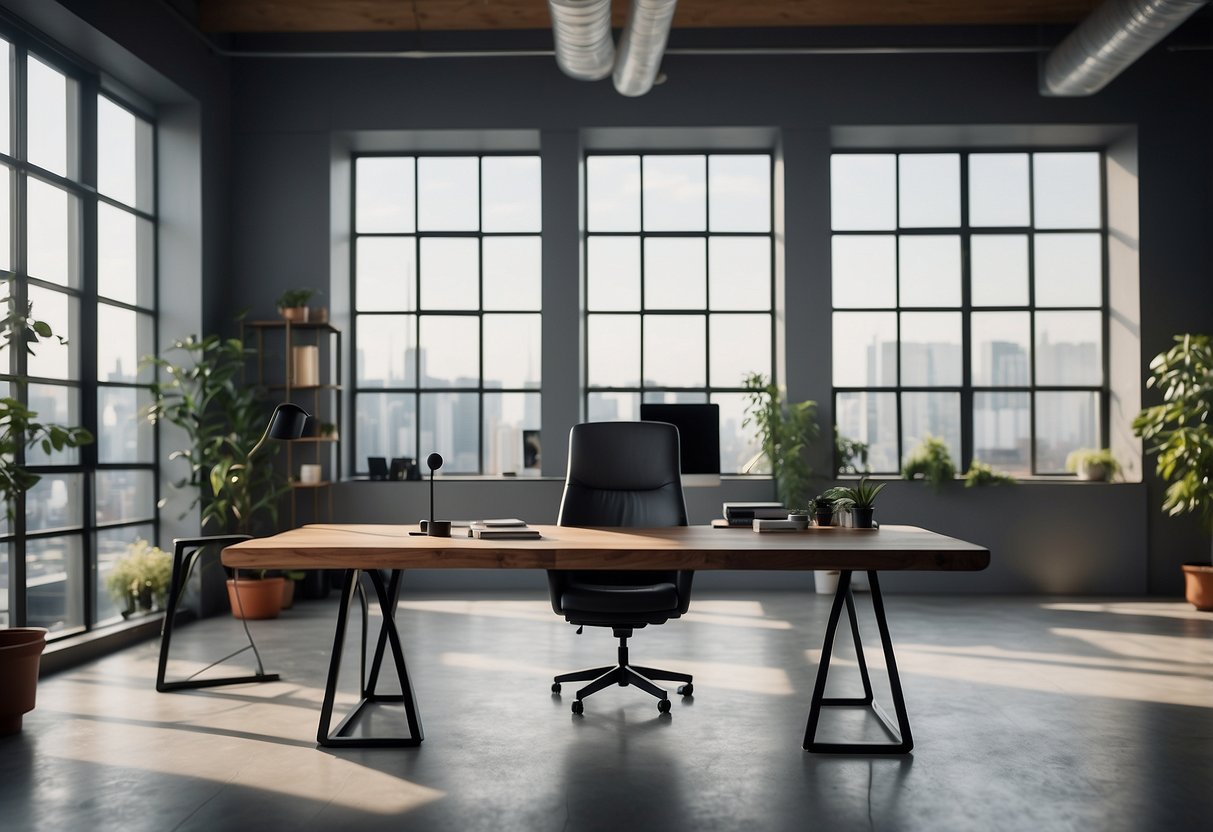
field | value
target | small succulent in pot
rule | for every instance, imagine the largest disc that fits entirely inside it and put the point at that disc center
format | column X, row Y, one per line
column 1093, row 464
column 823, row 510
column 859, row 500
column 292, row 304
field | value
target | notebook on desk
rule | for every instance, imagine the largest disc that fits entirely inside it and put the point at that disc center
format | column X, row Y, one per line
column 502, row 530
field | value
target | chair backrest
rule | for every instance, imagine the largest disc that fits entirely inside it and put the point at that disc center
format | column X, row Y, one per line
column 623, row 474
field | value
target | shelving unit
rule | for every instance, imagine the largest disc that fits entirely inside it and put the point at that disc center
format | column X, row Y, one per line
column 279, row 369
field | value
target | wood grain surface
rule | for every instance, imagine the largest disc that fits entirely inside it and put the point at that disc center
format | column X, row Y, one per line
column 336, row 546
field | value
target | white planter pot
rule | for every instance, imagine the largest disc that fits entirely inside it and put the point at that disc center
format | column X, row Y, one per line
column 825, row 581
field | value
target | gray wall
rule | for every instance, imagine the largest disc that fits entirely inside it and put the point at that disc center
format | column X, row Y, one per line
column 1045, row 537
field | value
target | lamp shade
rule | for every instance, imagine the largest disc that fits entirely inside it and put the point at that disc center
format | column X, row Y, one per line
column 288, row 422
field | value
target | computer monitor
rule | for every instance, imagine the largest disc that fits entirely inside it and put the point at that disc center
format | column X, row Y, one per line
column 698, row 438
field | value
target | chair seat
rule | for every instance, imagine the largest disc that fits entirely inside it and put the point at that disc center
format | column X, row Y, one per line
column 660, row 597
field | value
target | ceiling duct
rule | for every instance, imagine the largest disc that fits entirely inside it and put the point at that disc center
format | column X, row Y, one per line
column 582, row 32
column 642, row 45
column 1105, row 44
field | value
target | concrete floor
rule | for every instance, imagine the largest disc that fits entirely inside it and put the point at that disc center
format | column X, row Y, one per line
column 1028, row 714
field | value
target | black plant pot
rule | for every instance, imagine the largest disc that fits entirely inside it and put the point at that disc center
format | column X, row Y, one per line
column 861, row 518
column 825, row 518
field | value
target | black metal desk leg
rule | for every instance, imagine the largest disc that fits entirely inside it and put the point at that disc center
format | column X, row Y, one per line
column 340, row 736
column 900, row 733
column 186, row 552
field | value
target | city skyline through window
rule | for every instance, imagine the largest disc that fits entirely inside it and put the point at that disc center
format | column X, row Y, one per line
column 447, row 279
column 79, row 248
column 679, row 285
column 969, row 305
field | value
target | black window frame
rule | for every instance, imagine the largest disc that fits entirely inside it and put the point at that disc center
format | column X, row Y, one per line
column 358, row 464
column 706, row 389
column 23, row 44
column 965, row 231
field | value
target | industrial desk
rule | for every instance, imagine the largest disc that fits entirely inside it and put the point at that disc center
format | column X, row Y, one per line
column 372, row 550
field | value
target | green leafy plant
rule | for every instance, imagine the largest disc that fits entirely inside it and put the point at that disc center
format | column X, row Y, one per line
column 140, row 578
column 294, row 298
column 822, row 504
column 930, row 460
column 1093, row 463
column 1177, row 431
column 785, row 433
column 861, row 495
column 19, row 426
column 980, row 474
column 850, row 455
column 203, row 394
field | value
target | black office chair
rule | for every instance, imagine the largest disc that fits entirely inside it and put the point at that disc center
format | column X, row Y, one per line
column 622, row 474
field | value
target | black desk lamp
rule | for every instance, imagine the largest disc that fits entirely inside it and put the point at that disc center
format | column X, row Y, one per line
column 287, row 423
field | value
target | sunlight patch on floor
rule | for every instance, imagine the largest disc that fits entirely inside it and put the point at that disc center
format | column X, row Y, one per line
column 1156, row 609
column 248, row 763
column 1154, row 649
column 1162, row 681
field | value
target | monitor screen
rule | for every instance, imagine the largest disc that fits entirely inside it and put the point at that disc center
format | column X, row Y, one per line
column 698, row 438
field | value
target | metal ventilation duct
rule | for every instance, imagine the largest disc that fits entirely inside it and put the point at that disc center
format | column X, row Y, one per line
column 1105, row 44
column 642, row 45
column 582, row 31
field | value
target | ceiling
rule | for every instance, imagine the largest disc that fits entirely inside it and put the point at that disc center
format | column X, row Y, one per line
column 219, row 16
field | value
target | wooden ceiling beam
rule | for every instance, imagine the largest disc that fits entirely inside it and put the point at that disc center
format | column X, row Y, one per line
column 473, row 15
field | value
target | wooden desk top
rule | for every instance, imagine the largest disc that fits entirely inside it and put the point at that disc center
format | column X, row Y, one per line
column 335, row 546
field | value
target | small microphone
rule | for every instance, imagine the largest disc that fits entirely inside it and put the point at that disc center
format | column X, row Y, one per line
column 432, row 528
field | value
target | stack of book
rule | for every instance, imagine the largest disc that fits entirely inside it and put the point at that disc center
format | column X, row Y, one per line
column 744, row 514
column 503, row 529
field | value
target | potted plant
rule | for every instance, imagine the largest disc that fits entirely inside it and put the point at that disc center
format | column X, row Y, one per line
column 1177, row 432
column 823, row 510
column 980, row 474
column 20, row 656
column 257, row 596
column 292, row 305
column 1093, row 464
column 859, row 500
column 21, row 647
column 139, row 579
column 784, row 434
column 930, row 460
column 203, row 394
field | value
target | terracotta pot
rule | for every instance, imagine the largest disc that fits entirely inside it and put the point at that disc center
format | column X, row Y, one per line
column 20, row 655
column 294, row 314
column 1198, row 585
column 258, row 599
column 288, row 593
column 318, row 315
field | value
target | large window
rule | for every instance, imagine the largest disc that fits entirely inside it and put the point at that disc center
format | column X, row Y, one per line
column 969, row 305
column 679, row 285
column 77, row 242
column 447, row 288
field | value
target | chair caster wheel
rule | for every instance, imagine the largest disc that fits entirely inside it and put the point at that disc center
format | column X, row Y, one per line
column 663, row 706
column 577, row 706
column 687, row 689
column 555, row 687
